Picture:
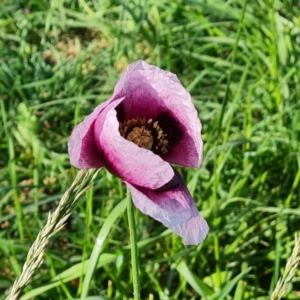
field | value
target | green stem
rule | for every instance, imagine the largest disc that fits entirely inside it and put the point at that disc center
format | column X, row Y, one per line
column 133, row 246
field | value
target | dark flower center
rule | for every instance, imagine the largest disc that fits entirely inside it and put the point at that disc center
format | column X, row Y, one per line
column 159, row 135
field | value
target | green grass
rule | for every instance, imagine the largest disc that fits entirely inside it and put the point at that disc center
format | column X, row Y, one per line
column 241, row 63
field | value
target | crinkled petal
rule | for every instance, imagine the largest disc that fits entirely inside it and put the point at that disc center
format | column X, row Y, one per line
column 133, row 164
column 83, row 150
column 193, row 231
column 148, row 91
column 174, row 207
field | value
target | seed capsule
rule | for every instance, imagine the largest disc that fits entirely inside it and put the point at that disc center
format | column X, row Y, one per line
column 141, row 137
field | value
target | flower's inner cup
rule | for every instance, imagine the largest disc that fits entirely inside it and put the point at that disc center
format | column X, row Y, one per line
column 159, row 135
column 146, row 134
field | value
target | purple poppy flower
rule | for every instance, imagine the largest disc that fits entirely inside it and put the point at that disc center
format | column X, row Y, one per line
column 148, row 123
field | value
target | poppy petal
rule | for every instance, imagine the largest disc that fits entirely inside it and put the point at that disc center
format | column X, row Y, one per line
column 173, row 206
column 82, row 148
column 133, row 164
column 148, row 91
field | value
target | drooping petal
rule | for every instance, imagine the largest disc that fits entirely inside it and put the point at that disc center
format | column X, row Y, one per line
column 82, row 148
column 174, row 207
column 148, row 91
column 133, row 164
column 193, row 231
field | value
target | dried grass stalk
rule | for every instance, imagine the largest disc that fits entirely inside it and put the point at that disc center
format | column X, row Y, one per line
column 55, row 223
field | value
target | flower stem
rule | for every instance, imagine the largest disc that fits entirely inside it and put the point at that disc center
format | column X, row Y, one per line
column 133, row 246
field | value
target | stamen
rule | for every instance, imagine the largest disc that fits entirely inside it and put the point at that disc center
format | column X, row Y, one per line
column 159, row 137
